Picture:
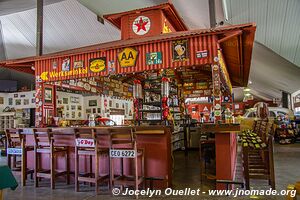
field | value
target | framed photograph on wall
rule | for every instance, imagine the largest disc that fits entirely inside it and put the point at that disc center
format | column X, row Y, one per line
column 94, row 110
column 26, row 102
column 79, row 107
column 16, row 95
column 1, row 100
column 10, row 101
column 88, row 111
column 49, row 95
column 92, row 103
column 18, row 102
column 98, row 110
column 65, row 101
column 73, row 107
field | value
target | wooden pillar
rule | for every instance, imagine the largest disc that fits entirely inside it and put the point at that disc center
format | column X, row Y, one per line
column 39, row 27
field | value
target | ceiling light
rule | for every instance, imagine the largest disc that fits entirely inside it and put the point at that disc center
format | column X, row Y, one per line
column 247, row 89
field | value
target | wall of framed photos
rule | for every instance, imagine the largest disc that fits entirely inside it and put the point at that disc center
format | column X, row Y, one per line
column 17, row 100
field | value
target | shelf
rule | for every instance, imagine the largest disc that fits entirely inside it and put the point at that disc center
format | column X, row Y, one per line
column 150, row 111
column 157, row 91
column 177, row 140
column 154, row 103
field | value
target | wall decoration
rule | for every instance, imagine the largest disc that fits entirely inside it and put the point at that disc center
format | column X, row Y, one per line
column 54, row 64
column 48, row 95
column 111, row 67
column 22, row 95
column 65, row 65
column 126, row 108
column 65, row 100
column 94, row 110
column 32, row 100
column 97, row 64
column 79, row 114
column 10, row 101
column 110, row 103
column 18, row 102
column 73, row 107
column 92, row 102
column 201, row 54
column 117, row 105
column 67, row 107
column 98, row 110
column 127, row 57
column 16, row 95
column 78, row 64
column 153, row 58
column 88, row 111
column 67, row 114
column 26, row 101
column 73, row 115
column 180, row 50
column 141, row 25
column 79, row 107
column 59, row 101
column 74, row 99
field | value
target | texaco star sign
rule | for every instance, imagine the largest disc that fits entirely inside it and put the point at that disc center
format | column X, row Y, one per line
column 141, row 25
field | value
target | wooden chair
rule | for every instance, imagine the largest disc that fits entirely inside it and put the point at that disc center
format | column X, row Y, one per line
column 123, row 139
column 203, row 146
column 87, row 144
column 45, row 144
column 259, row 163
column 16, row 145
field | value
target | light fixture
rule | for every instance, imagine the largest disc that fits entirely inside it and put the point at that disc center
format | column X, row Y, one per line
column 246, row 89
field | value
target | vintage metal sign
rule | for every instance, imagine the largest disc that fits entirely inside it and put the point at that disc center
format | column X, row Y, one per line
column 97, row 64
column 153, row 58
column 14, row 151
column 117, row 153
column 141, row 25
column 201, row 54
column 127, row 57
column 180, row 50
column 84, row 142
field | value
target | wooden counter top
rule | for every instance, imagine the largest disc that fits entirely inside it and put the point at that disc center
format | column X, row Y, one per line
column 219, row 128
column 140, row 130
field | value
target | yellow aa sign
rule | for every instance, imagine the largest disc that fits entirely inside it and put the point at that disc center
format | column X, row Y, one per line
column 44, row 76
column 127, row 57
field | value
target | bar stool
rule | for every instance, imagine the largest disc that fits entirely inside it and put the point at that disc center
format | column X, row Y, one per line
column 123, row 146
column 44, row 144
column 16, row 147
column 86, row 144
column 206, row 153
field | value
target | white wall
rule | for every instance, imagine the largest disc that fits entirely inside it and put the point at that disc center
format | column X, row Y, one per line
column 22, row 97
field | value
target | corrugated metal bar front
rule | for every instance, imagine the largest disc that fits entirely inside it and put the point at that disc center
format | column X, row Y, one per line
column 196, row 43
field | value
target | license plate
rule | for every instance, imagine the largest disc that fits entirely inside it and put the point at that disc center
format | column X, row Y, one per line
column 116, row 153
column 14, row 151
column 82, row 142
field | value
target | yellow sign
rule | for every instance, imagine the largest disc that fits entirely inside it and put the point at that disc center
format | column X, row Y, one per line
column 97, row 64
column 45, row 76
column 166, row 28
column 128, row 57
column 224, row 71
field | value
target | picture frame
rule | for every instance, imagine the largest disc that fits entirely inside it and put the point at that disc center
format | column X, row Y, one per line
column 98, row 110
column 1, row 100
column 18, row 102
column 10, row 101
column 32, row 100
column 26, row 102
column 94, row 110
column 92, row 103
column 88, row 111
column 48, row 95
column 22, row 95
column 65, row 100
column 73, row 107
column 16, row 95
column 79, row 107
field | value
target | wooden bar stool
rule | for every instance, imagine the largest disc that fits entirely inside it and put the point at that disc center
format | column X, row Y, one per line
column 44, row 144
column 16, row 147
column 206, row 153
column 123, row 146
column 86, row 144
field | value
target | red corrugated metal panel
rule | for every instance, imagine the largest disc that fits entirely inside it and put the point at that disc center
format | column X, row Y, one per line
column 199, row 43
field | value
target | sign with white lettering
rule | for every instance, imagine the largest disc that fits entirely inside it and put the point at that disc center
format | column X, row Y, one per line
column 14, row 151
column 117, row 153
column 84, row 142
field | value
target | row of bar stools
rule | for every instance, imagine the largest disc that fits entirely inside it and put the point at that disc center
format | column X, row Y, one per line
column 87, row 145
column 45, row 144
column 16, row 147
column 124, row 139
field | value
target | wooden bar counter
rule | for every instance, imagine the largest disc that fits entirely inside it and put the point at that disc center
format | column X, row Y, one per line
column 155, row 140
column 226, row 149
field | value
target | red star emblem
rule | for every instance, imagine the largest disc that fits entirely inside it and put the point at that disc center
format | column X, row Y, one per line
column 141, row 25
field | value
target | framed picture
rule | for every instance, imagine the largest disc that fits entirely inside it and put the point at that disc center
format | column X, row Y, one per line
column 18, row 102
column 10, row 101
column 79, row 114
column 65, row 65
column 65, row 100
column 98, row 110
column 73, row 107
column 22, row 95
column 78, row 64
column 32, row 100
column 67, row 107
column 67, row 115
column 92, row 103
column 110, row 103
column 88, row 111
column 59, row 101
column 16, row 95
column 117, row 105
column 49, row 95
column 79, row 107
column 94, row 110
column 26, row 101
column 73, row 115
column 1, row 100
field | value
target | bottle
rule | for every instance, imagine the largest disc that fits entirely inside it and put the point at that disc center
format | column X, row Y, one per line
column 92, row 120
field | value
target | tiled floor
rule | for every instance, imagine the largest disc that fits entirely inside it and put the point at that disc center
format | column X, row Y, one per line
column 186, row 175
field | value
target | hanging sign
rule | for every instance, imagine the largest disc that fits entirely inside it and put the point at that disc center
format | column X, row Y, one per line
column 141, row 25
column 84, row 142
column 153, row 58
column 180, row 50
column 127, row 57
column 201, row 54
column 65, row 65
column 97, row 64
